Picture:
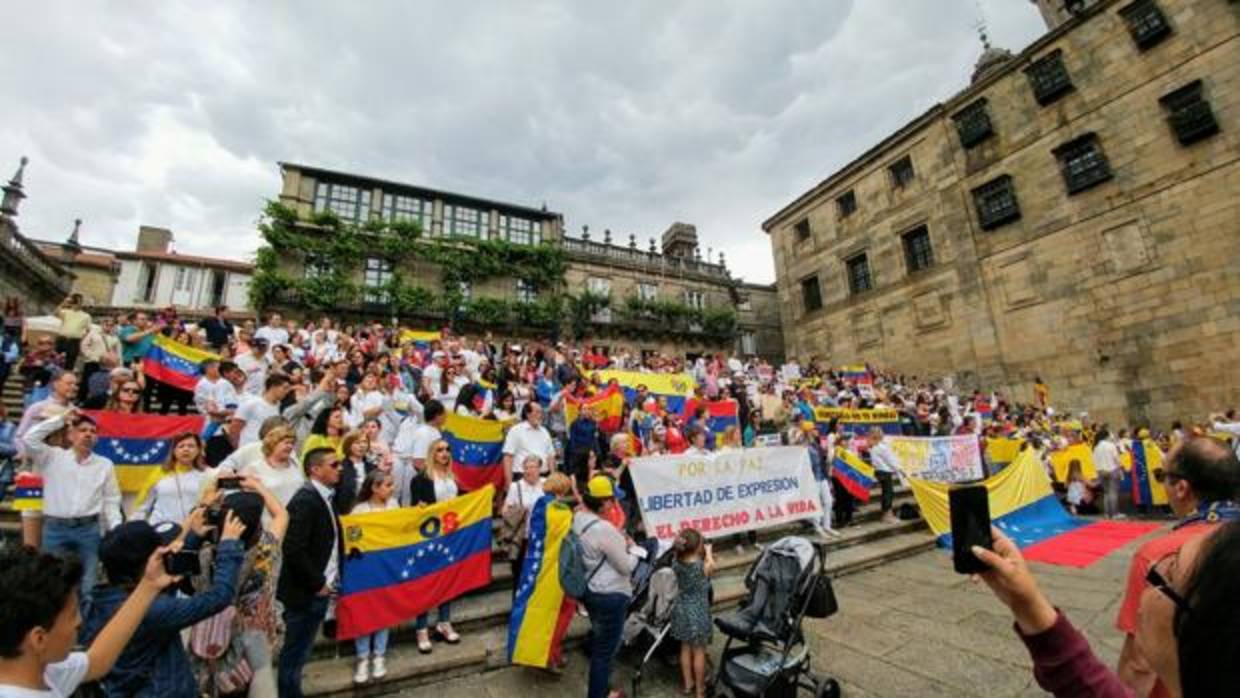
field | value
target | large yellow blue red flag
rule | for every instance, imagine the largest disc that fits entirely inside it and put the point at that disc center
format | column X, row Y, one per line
column 138, row 444
column 675, row 388
column 400, row 563
column 853, row 474
column 608, row 404
column 1147, row 460
column 1023, row 505
column 541, row 612
column 180, row 365
column 1062, row 458
column 477, row 450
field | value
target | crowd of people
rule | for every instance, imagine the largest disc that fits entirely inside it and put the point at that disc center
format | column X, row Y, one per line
column 310, row 421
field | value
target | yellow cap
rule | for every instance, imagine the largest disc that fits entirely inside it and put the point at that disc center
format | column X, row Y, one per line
column 807, row 425
column 600, row 487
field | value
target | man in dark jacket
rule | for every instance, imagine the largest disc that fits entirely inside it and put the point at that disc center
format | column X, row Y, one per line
column 219, row 330
column 312, row 550
column 154, row 662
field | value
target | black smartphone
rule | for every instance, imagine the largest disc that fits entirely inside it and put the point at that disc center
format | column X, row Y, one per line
column 970, row 512
column 183, row 563
column 228, row 483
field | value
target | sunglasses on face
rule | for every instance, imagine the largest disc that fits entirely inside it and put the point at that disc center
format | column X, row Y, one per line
column 131, row 390
column 441, row 448
column 1156, row 579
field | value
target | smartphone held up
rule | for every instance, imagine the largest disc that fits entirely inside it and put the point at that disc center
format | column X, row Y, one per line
column 970, row 514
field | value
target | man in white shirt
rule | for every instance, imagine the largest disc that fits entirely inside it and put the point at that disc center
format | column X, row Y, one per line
column 886, row 470
column 39, row 597
column 1228, row 423
column 254, row 410
column 79, row 490
column 255, row 365
column 1107, row 462
column 413, row 446
column 274, row 332
column 214, row 396
column 528, row 437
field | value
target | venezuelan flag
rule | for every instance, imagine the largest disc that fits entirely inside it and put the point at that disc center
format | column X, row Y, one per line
column 421, row 338
column 400, row 563
column 137, row 444
column 857, row 373
column 169, row 361
column 721, row 414
column 1024, row 507
column 541, row 612
column 1002, row 451
column 853, row 473
column 1061, row 459
column 609, row 404
column 477, row 450
column 1146, row 459
column 28, row 492
column 675, row 388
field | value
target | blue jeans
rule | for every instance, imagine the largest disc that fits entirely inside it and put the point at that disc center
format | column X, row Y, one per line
column 444, row 613
column 606, row 623
column 374, row 645
column 301, row 626
column 83, row 541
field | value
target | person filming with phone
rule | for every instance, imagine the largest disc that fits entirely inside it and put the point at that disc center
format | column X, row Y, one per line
column 154, row 661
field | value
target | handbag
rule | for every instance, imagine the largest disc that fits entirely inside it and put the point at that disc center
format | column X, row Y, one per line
column 822, row 601
column 512, row 527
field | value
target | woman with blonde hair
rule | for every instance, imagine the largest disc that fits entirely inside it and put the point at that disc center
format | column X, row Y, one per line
column 172, row 492
column 278, row 470
column 436, row 483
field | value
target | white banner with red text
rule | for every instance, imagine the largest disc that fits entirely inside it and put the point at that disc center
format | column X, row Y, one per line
column 725, row 492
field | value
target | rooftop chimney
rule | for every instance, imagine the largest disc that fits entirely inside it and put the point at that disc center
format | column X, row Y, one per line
column 152, row 239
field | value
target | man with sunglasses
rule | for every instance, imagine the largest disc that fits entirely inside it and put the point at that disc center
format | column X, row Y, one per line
column 1202, row 479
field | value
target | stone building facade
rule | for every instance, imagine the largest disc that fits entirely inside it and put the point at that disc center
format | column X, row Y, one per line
column 26, row 273
column 1072, row 214
column 671, row 271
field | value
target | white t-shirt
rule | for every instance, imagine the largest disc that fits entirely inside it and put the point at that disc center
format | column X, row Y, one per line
column 253, row 410
column 423, row 437
column 273, row 335
column 62, row 679
column 1106, row 457
column 524, row 440
column 255, row 371
column 523, row 493
column 221, row 392
column 283, row 482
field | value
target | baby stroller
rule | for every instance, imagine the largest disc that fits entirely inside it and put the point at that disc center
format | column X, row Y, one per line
column 650, row 611
column 787, row 583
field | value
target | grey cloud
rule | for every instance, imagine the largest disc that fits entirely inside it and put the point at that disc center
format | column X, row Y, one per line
column 621, row 115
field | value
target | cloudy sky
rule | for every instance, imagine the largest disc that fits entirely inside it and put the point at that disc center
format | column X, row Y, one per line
column 626, row 116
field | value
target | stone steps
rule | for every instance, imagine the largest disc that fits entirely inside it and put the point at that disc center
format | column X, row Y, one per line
column 484, row 644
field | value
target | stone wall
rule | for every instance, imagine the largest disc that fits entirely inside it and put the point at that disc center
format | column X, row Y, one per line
column 1124, row 297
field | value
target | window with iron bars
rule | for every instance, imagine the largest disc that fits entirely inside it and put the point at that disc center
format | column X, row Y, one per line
column 973, row 124
column 859, row 279
column 996, row 202
column 1146, row 22
column 1083, row 163
column 918, row 252
column 1049, row 78
column 1189, row 114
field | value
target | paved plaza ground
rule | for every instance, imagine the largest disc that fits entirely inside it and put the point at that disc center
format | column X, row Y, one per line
column 907, row 628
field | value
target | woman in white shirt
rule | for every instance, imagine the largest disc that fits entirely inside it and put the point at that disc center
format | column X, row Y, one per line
column 172, row 493
column 278, row 470
column 374, row 495
column 436, row 483
column 367, row 402
column 449, row 384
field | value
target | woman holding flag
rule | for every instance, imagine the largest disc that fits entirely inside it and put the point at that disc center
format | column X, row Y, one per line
column 435, row 484
column 173, row 491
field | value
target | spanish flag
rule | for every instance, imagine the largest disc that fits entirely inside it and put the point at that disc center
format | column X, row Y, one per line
column 853, row 474
column 477, row 450
column 541, row 612
column 179, row 365
column 609, row 404
column 400, row 563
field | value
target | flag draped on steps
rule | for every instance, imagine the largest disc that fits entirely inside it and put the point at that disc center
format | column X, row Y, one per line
column 541, row 612
column 179, row 365
column 608, row 404
column 854, row 474
column 1024, row 507
column 477, row 450
column 1062, row 458
column 400, row 563
column 138, row 444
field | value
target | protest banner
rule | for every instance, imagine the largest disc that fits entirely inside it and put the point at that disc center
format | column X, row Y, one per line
column 858, row 421
column 938, row 458
column 727, row 492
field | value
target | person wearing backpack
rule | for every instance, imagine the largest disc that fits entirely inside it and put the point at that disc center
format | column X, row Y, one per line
column 600, row 562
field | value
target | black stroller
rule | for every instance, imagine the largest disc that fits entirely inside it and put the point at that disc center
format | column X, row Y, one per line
column 650, row 611
column 787, row 583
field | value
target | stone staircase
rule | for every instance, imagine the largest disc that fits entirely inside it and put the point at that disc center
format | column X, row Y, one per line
column 481, row 617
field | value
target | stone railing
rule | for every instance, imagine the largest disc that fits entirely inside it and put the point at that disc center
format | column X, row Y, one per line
column 652, row 261
column 15, row 245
